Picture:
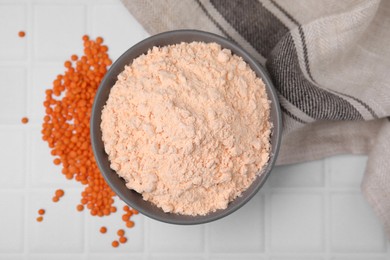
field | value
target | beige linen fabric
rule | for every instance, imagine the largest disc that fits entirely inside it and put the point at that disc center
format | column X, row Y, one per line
column 329, row 61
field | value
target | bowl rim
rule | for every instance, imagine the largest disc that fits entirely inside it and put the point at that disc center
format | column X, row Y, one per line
column 200, row 36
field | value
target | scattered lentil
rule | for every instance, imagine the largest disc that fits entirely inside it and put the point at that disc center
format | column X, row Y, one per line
column 129, row 224
column 65, row 128
column 126, row 217
column 24, row 120
column 80, row 207
column 122, row 240
column 103, row 230
column 59, row 193
column 115, row 243
column 120, row 232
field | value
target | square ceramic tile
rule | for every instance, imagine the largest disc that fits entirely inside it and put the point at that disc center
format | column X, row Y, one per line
column 58, row 30
column 13, row 97
column 62, row 228
column 308, row 175
column 101, row 243
column 120, row 33
column 14, row 16
column 354, row 227
column 242, row 231
column 164, row 237
column 12, row 222
column 296, row 222
column 346, row 170
column 13, row 161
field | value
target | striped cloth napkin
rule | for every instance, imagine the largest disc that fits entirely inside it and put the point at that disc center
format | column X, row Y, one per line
column 329, row 61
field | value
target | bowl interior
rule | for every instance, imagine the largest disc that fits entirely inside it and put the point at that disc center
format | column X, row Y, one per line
column 134, row 199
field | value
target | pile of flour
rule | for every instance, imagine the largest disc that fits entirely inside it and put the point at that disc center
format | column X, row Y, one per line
column 187, row 126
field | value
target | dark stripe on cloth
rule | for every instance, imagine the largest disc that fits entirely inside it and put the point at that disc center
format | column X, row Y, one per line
column 301, row 34
column 291, row 115
column 306, row 56
column 214, row 21
column 374, row 115
column 288, row 78
column 253, row 22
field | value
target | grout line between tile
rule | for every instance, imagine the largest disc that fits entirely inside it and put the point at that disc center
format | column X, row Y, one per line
column 90, row 30
column 27, row 181
column 86, row 234
column 146, row 238
column 14, row 63
column 29, row 33
column 86, row 250
column 206, row 241
column 263, row 224
column 28, row 86
column 88, row 18
column 267, row 220
column 317, row 189
column 52, row 186
column 327, row 208
column 388, row 246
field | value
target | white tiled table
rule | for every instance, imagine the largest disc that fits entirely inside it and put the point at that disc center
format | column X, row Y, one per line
column 307, row 211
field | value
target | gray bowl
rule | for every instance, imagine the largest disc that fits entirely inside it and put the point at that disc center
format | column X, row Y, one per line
column 133, row 198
